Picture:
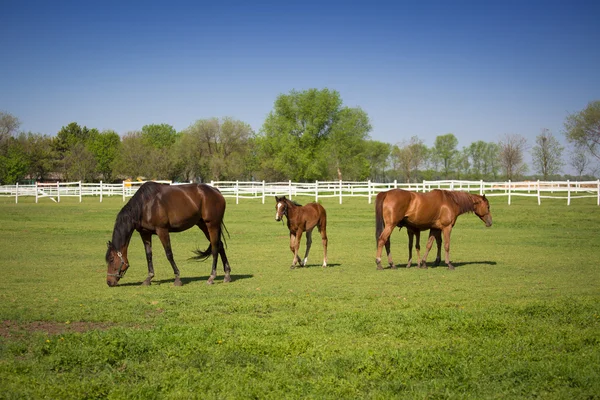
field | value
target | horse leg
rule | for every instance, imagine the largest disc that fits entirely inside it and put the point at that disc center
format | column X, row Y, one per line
column 323, row 231
column 384, row 240
column 446, row 233
column 213, row 232
column 423, row 262
column 438, row 240
column 226, row 266
column 163, row 235
column 293, row 248
column 308, row 244
column 147, row 239
column 298, row 237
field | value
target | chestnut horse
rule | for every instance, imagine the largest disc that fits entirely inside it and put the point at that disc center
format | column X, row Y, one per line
column 302, row 219
column 157, row 209
column 437, row 209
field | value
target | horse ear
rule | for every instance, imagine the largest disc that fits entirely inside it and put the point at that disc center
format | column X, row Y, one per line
column 277, row 199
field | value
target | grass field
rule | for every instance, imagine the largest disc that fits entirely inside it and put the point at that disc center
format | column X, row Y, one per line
column 518, row 318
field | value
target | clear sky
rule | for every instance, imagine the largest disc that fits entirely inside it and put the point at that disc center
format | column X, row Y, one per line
column 477, row 69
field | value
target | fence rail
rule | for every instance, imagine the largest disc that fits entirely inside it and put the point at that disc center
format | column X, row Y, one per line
column 561, row 190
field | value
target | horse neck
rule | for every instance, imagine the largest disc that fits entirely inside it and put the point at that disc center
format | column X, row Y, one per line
column 465, row 202
column 122, row 232
column 291, row 210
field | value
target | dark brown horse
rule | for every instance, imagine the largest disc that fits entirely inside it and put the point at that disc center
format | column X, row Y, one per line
column 437, row 209
column 157, row 209
column 302, row 219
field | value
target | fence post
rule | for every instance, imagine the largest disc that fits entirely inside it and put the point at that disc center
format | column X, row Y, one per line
column 369, row 190
column 237, row 192
column 481, row 187
column 123, row 191
column 17, row 193
column 36, row 192
column 340, row 191
column 263, row 193
column 316, row 190
column 100, row 191
column 509, row 181
column 58, row 192
column 80, row 191
column 538, row 193
column 568, row 193
column 598, row 192
column 395, row 184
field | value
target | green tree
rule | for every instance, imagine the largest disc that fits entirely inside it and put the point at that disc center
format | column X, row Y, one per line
column 547, row 154
column 444, row 149
column 344, row 146
column 105, row 148
column 293, row 141
column 159, row 136
column 38, row 153
column 583, row 128
column 378, row 155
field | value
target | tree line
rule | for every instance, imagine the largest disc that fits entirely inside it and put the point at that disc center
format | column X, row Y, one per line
column 309, row 135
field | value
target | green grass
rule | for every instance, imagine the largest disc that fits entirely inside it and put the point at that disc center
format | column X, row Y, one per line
column 518, row 318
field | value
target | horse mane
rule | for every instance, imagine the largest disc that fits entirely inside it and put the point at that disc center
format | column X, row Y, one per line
column 131, row 215
column 463, row 200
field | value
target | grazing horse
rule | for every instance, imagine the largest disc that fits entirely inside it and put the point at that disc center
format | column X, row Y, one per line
column 157, row 209
column 437, row 209
column 302, row 219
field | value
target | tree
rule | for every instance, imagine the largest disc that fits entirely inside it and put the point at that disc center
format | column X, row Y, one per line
column 409, row 157
column 293, row 141
column 583, row 128
column 38, row 153
column 444, row 149
column 579, row 161
column 105, row 147
column 159, row 136
column 344, row 146
column 216, row 149
column 9, row 125
column 79, row 164
column 377, row 154
column 546, row 154
column 512, row 148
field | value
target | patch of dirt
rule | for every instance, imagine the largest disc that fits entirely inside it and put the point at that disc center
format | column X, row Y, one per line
column 10, row 329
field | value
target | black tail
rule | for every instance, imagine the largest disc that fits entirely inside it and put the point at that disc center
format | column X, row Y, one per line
column 203, row 255
column 379, row 223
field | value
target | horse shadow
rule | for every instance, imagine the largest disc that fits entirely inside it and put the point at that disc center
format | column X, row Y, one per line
column 320, row 265
column 190, row 279
column 443, row 265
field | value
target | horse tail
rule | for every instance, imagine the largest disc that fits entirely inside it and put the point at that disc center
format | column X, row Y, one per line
column 379, row 223
column 203, row 255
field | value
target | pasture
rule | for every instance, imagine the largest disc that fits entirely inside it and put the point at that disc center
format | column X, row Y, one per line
column 518, row 318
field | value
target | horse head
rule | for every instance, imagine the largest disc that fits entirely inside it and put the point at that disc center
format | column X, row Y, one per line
column 481, row 207
column 117, row 265
column 280, row 207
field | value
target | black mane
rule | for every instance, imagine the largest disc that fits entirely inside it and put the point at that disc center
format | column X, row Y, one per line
column 130, row 215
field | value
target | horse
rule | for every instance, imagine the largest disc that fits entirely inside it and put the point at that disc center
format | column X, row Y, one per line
column 433, row 234
column 158, row 209
column 437, row 209
column 302, row 219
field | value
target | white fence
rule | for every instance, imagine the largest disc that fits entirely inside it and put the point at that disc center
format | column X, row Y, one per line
column 564, row 190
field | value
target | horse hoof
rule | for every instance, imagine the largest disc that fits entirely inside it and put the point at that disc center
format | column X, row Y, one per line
column 293, row 267
column 146, row 283
column 227, row 279
column 177, row 283
column 451, row 267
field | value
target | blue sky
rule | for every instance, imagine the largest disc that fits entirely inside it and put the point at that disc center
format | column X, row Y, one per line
column 477, row 69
